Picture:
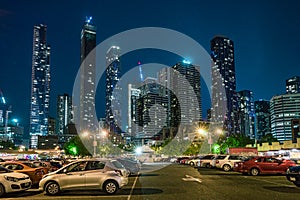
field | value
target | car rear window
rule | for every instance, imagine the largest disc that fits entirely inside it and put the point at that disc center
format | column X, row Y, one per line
column 221, row 157
column 117, row 164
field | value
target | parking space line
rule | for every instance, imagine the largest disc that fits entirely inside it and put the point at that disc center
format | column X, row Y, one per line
column 133, row 186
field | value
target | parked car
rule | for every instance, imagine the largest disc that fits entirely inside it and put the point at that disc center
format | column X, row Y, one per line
column 132, row 166
column 293, row 175
column 194, row 160
column 35, row 173
column 106, row 175
column 226, row 162
column 11, row 181
column 263, row 165
column 206, row 161
column 49, row 166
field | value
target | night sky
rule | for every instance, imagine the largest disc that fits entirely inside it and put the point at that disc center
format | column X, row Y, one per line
column 265, row 34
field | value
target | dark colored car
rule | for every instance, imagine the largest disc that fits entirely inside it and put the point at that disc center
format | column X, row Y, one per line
column 293, row 175
column 132, row 166
column 263, row 165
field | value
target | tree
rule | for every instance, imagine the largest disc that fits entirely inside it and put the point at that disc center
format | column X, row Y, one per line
column 75, row 147
column 268, row 138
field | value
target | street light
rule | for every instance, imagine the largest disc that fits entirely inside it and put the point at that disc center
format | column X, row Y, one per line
column 204, row 132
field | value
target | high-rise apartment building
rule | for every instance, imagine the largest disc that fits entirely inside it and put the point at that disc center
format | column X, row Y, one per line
column 293, row 85
column 87, row 120
column 224, row 100
column 283, row 109
column 133, row 95
column 262, row 118
column 64, row 116
column 246, row 114
column 40, row 86
column 186, row 87
column 113, row 91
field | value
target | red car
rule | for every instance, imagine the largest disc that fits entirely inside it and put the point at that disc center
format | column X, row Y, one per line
column 263, row 165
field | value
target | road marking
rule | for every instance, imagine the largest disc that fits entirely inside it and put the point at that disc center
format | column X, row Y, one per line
column 130, row 194
column 190, row 178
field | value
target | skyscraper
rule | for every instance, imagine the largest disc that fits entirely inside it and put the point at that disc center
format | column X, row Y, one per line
column 113, row 95
column 224, row 101
column 133, row 95
column 293, row 85
column 64, row 116
column 186, row 85
column 40, row 86
column 246, row 113
column 262, row 118
column 87, row 120
column 283, row 109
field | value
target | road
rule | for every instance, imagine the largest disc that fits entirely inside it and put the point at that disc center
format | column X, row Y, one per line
column 184, row 182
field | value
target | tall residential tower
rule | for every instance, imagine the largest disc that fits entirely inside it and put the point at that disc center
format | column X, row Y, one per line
column 40, row 86
column 224, row 100
column 87, row 77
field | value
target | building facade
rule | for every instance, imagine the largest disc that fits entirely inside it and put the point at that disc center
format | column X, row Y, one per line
column 87, row 120
column 113, row 90
column 64, row 116
column 224, row 99
column 133, row 125
column 293, row 85
column 40, row 85
column 283, row 109
column 262, row 118
column 246, row 114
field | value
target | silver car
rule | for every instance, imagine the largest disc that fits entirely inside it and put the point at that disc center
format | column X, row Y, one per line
column 106, row 175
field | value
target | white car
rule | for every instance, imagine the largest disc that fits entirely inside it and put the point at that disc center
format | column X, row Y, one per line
column 226, row 162
column 13, row 181
column 106, row 175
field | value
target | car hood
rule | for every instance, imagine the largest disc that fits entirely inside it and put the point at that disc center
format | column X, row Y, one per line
column 16, row 175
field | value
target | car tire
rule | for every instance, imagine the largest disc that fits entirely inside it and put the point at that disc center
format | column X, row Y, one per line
column 52, row 188
column 254, row 171
column 2, row 190
column 297, row 183
column 110, row 187
column 192, row 164
column 226, row 168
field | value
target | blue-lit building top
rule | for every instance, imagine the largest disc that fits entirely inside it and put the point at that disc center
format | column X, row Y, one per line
column 293, row 85
column 40, row 86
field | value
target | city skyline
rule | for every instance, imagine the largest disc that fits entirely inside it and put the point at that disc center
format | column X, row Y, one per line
column 16, row 69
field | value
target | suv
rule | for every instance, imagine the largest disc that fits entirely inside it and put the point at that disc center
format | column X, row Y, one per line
column 226, row 162
column 106, row 175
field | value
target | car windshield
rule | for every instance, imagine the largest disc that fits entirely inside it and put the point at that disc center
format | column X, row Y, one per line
column 29, row 164
column 117, row 164
column 4, row 170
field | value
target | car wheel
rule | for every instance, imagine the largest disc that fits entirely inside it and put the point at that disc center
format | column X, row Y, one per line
column 226, row 168
column 192, row 164
column 52, row 188
column 110, row 187
column 254, row 171
column 2, row 190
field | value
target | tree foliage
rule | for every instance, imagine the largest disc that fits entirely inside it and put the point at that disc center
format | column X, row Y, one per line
column 75, row 147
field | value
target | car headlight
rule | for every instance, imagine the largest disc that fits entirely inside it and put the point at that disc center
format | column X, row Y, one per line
column 10, row 178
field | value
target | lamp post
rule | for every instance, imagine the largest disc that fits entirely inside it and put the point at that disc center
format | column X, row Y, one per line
column 87, row 134
column 202, row 131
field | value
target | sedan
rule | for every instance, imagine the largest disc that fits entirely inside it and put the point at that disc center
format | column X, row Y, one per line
column 13, row 181
column 106, row 175
column 35, row 173
column 263, row 165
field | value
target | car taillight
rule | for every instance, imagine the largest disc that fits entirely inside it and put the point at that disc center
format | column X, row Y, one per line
column 39, row 172
column 119, row 172
column 217, row 161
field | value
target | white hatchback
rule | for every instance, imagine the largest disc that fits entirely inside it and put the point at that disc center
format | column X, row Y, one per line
column 13, row 181
column 106, row 175
column 226, row 162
